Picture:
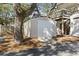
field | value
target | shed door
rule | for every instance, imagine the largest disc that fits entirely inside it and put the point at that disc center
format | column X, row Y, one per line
column 34, row 28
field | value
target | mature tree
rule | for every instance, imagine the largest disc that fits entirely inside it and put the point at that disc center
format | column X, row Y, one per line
column 21, row 11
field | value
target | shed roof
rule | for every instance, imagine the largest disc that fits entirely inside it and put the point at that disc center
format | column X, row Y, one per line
column 42, row 18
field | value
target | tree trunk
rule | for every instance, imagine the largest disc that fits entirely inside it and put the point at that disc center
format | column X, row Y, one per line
column 20, row 16
column 18, row 33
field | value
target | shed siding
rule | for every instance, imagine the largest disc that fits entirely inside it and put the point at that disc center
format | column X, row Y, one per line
column 42, row 27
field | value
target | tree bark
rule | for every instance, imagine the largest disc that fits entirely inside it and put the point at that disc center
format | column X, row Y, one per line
column 19, row 18
column 18, row 33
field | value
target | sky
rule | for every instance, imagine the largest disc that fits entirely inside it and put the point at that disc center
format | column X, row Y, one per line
column 44, row 8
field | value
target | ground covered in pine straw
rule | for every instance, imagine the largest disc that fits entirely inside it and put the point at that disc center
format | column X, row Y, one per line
column 61, row 45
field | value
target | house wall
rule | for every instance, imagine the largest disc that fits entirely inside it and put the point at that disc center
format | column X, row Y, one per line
column 74, row 25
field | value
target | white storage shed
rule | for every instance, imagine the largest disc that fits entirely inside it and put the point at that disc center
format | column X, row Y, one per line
column 41, row 27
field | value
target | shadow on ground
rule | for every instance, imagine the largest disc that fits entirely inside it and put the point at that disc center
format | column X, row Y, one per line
column 66, row 49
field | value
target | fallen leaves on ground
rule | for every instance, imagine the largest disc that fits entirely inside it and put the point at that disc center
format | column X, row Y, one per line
column 66, row 38
column 10, row 45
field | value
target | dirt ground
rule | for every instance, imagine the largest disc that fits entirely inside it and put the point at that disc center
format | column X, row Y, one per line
column 65, row 45
column 9, row 44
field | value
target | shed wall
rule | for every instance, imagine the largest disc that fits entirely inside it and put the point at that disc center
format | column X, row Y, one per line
column 44, row 28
